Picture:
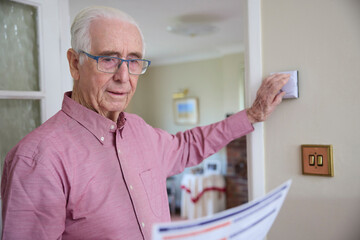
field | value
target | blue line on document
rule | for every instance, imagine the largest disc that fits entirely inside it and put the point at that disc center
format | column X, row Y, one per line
column 255, row 223
column 265, row 205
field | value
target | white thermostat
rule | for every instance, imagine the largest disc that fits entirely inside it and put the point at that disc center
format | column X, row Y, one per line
column 292, row 87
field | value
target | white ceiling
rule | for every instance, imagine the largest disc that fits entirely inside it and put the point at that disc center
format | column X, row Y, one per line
column 154, row 16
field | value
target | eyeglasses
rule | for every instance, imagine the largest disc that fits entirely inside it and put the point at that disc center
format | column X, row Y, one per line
column 108, row 64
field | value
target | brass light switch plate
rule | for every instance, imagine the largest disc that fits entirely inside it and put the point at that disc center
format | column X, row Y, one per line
column 317, row 160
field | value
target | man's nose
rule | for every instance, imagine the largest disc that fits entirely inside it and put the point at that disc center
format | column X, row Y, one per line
column 122, row 73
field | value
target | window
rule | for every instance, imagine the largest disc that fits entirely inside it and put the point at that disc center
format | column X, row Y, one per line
column 31, row 66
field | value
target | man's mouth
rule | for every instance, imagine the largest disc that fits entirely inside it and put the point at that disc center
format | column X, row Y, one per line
column 116, row 93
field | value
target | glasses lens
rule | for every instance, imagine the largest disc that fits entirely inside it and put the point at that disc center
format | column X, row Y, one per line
column 112, row 64
column 108, row 64
column 137, row 66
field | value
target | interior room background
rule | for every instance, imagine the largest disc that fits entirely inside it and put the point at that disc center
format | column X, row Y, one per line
column 320, row 39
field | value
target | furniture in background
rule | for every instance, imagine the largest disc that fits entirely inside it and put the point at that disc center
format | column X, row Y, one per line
column 202, row 195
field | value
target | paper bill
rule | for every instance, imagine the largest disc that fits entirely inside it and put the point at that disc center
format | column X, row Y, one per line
column 251, row 221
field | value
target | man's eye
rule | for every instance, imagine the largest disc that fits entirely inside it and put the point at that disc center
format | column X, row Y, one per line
column 108, row 59
column 134, row 61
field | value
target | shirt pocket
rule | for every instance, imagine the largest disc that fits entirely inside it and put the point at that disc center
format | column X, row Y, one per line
column 155, row 191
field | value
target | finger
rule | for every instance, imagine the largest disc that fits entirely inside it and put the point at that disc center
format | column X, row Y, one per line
column 280, row 81
column 278, row 76
column 272, row 85
column 281, row 78
column 278, row 98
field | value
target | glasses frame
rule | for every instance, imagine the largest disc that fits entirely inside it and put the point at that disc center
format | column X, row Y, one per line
column 121, row 61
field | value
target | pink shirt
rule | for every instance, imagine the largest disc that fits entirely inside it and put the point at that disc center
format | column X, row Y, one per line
column 82, row 176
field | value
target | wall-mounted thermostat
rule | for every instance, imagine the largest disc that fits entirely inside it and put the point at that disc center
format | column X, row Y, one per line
column 292, row 87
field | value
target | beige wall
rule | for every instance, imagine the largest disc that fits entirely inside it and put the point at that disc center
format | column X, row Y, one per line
column 321, row 39
column 218, row 84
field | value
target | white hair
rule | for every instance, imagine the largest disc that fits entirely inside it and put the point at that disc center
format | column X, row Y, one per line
column 80, row 28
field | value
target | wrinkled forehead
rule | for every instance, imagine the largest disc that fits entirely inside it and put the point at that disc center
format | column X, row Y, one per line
column 111, row 34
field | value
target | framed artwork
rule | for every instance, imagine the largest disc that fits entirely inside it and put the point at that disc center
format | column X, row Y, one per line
column 186, row 111
column 212, row 166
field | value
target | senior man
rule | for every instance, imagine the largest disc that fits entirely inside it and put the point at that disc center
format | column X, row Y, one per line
column 93, row 171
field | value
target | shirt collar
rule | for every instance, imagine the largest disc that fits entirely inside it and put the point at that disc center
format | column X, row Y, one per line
column 98, row 125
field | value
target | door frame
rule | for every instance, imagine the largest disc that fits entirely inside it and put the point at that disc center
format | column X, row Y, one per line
column 253, row 79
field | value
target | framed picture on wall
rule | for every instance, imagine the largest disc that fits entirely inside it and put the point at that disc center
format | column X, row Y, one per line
column 186, row 111
column 212, row 166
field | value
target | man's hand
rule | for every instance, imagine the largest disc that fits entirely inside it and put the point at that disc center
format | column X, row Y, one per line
column 267, row 97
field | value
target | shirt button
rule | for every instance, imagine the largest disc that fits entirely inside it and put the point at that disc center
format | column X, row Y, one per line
column 143, row 224
column 119, row 151
column 131, row 187
column 102, row 139
column 112, row 127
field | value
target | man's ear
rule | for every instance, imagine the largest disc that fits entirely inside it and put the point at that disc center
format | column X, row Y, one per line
column 73, row 58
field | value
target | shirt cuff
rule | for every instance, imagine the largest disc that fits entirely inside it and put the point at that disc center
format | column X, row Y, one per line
column 239, row 124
